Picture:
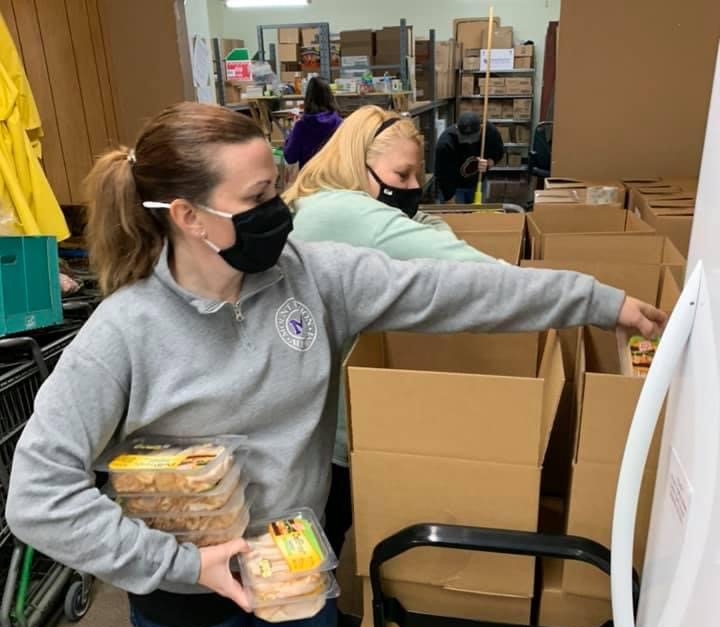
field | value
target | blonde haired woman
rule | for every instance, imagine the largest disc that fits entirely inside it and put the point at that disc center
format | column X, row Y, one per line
column 363, row 189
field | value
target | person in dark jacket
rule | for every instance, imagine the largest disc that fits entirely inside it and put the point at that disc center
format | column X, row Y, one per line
column 458, row 162
column 319, row 121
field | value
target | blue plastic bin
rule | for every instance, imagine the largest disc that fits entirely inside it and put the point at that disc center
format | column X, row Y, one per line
column 29, row 284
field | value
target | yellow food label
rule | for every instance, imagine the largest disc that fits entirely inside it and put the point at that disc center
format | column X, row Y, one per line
column 297, row 543
column 146, row 462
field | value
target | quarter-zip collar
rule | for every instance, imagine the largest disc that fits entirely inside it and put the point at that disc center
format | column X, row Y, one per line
column 252, row 284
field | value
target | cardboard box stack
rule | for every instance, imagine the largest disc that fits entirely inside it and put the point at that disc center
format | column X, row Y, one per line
column 405, row 470
column 447, row 55
column 523, row 58
column 668, row 205
column 358, row 43
column 289, row 53
column 387, row 45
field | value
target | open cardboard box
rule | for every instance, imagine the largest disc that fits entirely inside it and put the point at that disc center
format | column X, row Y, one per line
column 561, row 609
column 605, row 402
column 451, row 429
column 500, row 235
column 563, row 183
column 670, row 215
column 574, row 196
column 558, row 225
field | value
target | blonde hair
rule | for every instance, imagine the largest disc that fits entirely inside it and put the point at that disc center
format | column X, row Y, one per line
column 342, row 162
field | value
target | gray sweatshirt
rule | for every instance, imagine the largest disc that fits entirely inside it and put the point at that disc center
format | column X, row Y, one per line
column 153, row 358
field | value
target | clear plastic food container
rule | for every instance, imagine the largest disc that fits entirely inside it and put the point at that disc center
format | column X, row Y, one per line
column 213, row 499
column 290, row 547
column 273, row 606
column 211, row 520
column 168, row 465
column 211, row 537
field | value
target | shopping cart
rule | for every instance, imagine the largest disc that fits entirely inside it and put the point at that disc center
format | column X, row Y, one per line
column 34, row 585
column 390, row 610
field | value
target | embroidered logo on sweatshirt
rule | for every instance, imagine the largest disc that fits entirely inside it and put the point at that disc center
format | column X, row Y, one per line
column 296, row 325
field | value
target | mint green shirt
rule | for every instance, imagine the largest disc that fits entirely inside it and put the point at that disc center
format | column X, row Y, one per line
column 357, row 219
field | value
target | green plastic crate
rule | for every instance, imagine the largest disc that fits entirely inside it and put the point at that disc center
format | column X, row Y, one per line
column 29, row 284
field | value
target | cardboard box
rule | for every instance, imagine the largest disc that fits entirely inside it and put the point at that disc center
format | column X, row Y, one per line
column 522, row 134
column 670, row 215
column 560, row 227
column 592, row 499
column 504, row 133
column 524, row 51
column 502, row 38
column 560, row 609
column 570, row 197
column 508, row 109
column 437, row 601
column 468, row 86
column 500, row 235
column 310, row 58
column 616, row 197
column 399, row 383
column 387, row 45
column 358, row 43
column 495, row 109
column 523, row 63
column 522, row 109
column 471, row 60
column 288, row 53
column 514, row 160
column 519, row 86
column 470, row 32
column 496, row 86
column 310, row 36
column 288, row 36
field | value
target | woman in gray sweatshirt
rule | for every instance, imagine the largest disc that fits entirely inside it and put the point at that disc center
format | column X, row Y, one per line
column 215, row 323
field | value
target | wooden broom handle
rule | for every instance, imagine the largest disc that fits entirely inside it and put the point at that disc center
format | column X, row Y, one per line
column 487, row 85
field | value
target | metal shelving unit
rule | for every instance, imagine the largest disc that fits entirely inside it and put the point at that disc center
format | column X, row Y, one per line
column 513, row 71
column 324, row 40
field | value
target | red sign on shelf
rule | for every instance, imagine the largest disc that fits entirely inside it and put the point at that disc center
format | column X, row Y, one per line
column 238, row 70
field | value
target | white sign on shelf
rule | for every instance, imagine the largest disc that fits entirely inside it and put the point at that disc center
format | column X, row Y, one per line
column 501, row 59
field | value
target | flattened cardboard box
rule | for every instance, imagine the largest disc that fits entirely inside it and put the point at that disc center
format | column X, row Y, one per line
column 435, row 601
column 548, row 223
column 561, row 609
column 470, row 31
column 406, row 383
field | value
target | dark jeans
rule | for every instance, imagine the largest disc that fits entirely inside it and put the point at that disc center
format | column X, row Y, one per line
column 327, row 617
column 463, row 196
column 338, row 511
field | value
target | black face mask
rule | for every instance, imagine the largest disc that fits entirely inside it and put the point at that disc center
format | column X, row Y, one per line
column 260, row 236
column 407, row 200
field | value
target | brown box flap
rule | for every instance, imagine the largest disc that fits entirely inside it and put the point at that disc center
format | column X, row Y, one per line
column 598, row 247
column 507, row 246
column 483, row 221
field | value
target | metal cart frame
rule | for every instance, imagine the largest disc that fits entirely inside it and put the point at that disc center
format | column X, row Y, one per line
column 34, row 584
column 389, row 609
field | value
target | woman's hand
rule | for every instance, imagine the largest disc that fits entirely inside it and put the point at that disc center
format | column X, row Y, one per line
column 215, row 571
column 648, row 320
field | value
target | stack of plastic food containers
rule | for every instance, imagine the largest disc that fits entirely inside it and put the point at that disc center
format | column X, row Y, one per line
column 287, row 573
column 191, row 487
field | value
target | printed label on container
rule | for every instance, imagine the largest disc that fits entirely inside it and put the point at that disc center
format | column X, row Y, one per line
column 142, row 456
column 296, row 541
column 147, row 462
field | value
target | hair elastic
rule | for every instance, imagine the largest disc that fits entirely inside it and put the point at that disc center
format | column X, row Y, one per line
column 132, row 160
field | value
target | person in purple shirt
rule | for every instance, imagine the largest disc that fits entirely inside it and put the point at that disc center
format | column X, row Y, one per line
column 319, row 121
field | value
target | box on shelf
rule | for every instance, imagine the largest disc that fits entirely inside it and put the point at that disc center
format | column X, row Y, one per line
column 439, row 601
column 288, row 53
column 288, row 36
column 522, row 134
column 507, row 109
column 495, row 85
column 500, row 235
column 501, row 59
column 470, row 32
column 310, row 36
column 399, row 383
column 502, row 38
column 519, row 86
column 514, row 160
column 495, row 109
column 504, row 133
column 523, row 63
column 310, row 58
column 468, row 85
column 522, row 109
column 524, row 51
column 471, row 59
column 358, row 43
column 387, row 45
column 561, row 609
